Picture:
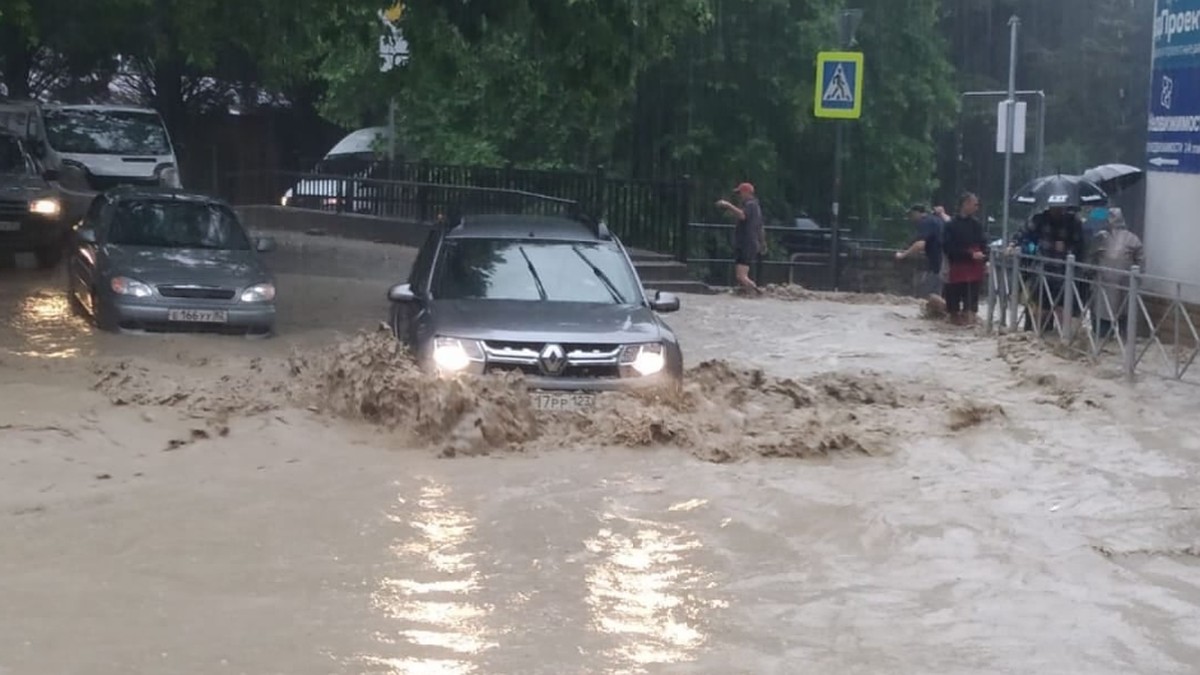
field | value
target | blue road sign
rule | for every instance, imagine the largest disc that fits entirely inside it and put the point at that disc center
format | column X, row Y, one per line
column 839, row 85
column 1173, row 141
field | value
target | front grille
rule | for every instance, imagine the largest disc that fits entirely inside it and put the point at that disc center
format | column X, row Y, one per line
column 10, row 210
column 597, row 372
column 196, row 292
column 103, row 183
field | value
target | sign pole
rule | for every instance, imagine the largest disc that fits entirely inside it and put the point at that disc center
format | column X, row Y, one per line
column 848, row 22
column 835, row 235
column 1010, row 110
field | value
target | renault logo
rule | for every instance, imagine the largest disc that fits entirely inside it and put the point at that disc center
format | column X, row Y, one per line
column 552, row 359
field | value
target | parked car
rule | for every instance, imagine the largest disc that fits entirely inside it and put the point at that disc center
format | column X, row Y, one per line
column 160, row 259
column 31, row 212
column 554, row 298
column 93, row 148
column 355, row 156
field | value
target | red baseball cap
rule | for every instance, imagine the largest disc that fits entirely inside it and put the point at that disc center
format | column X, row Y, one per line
column 744, row 189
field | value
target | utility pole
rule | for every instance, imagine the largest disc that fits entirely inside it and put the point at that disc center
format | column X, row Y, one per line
column 847, row 25
column 1010, row 110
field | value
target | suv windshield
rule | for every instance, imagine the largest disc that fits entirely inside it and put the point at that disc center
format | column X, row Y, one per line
column 106, row 132
column 505, row 269
column 12, row 159
column 173, row 224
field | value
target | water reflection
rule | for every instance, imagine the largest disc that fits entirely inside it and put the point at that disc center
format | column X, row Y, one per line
column 644, row 590
column 45, row 326
column 440, row 624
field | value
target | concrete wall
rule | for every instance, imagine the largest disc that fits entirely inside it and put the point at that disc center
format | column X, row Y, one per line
column 349, row 226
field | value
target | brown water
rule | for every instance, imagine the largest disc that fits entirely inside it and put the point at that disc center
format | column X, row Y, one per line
column 186, row 505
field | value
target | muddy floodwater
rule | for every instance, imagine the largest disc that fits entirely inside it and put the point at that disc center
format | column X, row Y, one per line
column 843, row 487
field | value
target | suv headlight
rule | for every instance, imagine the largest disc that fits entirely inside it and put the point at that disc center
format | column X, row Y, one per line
column 127, row 286
column 452, row 355
column 259, row 293
column 645, row 360
column 45, row 207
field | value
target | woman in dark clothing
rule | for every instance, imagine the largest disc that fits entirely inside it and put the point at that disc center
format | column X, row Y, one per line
column 966, row 248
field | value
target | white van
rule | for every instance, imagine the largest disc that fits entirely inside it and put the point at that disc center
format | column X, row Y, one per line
column 93, row 148
column 355, row 156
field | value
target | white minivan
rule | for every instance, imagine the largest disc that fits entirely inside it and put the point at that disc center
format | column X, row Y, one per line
column 93, row 148
column 355, row 156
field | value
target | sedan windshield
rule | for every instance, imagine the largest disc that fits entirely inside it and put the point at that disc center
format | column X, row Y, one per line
column 12, row 159
column 176, row 224
column 106, row 132
column 498, row 269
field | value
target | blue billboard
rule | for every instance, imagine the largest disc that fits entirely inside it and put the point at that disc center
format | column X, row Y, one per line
column 1173, row 141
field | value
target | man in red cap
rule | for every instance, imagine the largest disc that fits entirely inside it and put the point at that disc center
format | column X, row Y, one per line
column 749, row 237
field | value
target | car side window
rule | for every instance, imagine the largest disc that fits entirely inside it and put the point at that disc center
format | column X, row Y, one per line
column 418, row 279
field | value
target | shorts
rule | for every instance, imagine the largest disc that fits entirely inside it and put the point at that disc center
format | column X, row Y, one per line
column 742, row 256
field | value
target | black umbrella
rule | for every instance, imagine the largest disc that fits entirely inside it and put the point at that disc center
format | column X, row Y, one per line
column 1114, row 177
column 1060, row 190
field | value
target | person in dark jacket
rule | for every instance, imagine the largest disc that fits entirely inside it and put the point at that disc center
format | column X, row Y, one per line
column 965, row 246
column 1054, row 234
column 749, row 236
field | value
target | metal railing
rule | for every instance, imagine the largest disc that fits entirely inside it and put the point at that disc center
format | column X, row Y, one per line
column 646, row 214
column 1120, row 318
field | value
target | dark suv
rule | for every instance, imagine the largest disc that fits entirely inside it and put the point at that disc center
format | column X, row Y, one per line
column 31, row 210
column 554, row 298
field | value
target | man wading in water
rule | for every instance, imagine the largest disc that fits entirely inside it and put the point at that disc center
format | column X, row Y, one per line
column 749, row 237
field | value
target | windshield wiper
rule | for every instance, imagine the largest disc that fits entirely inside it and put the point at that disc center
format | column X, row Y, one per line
column 533, row 272
column 608, row 283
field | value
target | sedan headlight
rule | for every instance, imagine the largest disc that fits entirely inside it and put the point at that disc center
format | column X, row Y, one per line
column 645, row 360
column 133, row 287
column 283, row 201
column 45, row 207
column 451, row 355
column 259, row 293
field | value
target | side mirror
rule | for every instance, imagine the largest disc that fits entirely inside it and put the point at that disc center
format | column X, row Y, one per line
column 401, row 293
column 52, row 175
column 87, row 235
column 665, row 302
column 264, row 244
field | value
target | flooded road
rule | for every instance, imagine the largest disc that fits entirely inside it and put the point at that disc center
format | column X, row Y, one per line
column 1026, row 516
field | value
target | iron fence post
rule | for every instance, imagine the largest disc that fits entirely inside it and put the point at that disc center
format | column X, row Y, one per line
column 1014, row 284
column 1131, row 321
column 1068, row 331
column 682, row 250
column 992, row 280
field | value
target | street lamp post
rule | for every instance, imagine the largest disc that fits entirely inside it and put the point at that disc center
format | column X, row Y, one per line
column 847, row 25
column 1010, row 110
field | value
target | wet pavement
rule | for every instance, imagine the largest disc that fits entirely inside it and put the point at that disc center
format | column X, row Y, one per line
column 1059, row 537
column 325, row 286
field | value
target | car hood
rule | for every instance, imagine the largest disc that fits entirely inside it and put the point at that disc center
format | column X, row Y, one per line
column 524, row 321
column 22, row 186
column 230, row 269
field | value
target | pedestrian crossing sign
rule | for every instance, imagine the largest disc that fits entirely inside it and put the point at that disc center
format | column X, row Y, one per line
column 839, row 85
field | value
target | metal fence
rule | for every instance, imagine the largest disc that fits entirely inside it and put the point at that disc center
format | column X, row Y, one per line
column 646, row 214
column 795, row 255
column 1126, row 319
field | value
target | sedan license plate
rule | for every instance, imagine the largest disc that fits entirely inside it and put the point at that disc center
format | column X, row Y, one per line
column 198, row 315
column 550, row 401
column 9, row 226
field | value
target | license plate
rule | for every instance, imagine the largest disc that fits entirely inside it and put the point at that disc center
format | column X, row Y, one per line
column 198, row 315
column 9, row 226
column 549, row 401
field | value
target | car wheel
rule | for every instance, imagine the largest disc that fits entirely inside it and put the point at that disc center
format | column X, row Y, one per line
column 48, row 256
column 102, row 315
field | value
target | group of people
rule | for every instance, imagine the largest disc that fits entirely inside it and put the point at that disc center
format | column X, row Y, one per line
column 956, row 251
column 956, row 254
